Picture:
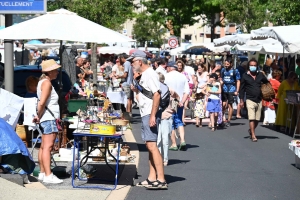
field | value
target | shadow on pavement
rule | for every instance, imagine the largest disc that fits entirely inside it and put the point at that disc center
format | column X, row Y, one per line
column 176, row 161
column 140, row 147
column 172, row 179
column 190, row 146
column 261, row 137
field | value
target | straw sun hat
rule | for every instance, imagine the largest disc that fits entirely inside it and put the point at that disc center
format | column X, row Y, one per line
column 49, row 65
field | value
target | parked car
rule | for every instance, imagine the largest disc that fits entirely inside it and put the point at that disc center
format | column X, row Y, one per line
column 22, row 72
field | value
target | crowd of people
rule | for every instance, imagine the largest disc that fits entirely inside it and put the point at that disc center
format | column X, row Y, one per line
column 213, row 89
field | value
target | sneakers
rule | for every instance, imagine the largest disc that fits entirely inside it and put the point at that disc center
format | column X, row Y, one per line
column 52, row 179
column 41, row 176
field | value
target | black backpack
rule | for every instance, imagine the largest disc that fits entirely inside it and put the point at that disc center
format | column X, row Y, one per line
column 165, row 94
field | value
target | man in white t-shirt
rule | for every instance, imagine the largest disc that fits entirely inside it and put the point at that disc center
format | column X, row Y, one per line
column 177, row 82
column 150, row 117
column 162, row 67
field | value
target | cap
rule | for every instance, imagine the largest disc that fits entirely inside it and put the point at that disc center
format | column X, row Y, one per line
column 172, row 64
column 137, row 53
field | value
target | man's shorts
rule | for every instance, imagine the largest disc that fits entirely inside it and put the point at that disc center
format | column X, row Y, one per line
column 228, row 97
column 127, row 90
column 149, row 134
column 254, row 110
column 48, row 127
column 177, row 118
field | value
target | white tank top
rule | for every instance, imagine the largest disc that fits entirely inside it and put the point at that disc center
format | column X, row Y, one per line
column 201, row 82
column 51, row 103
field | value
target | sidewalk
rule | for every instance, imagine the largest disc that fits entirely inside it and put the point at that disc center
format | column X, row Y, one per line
column 37, row 190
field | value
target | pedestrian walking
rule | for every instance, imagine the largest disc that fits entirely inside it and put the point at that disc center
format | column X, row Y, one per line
column 150, row 118
column 231, row 85
column 179, row 83
column 199, row 108
column 251, row 85
column 213, row 90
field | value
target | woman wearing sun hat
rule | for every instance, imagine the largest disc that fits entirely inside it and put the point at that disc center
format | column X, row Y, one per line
column 47, row 97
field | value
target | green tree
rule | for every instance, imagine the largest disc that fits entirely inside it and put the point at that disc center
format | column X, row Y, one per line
column 284, row 12
column 249, row 14
column 145, row 29
column 175, row 14
column 109, row 13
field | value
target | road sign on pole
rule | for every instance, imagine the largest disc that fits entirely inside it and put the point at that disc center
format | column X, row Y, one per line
column 173, row 42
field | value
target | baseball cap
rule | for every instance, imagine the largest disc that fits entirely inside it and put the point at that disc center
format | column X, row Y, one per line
column 137, row 53
column 172, row 64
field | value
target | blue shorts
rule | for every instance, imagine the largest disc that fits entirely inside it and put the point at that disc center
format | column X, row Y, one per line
column 213, row 105
column 177, row 118
column 48, row 127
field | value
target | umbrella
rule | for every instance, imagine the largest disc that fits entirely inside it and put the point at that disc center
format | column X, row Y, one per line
column 42, row 46
column 287, row 35
column 62, row 24
column 34, row 42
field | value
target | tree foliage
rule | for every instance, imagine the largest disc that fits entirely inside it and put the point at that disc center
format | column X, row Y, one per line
column 145, row 29
column 175, row 14
column 249, row 14
column 284, row 12
column 109, row 13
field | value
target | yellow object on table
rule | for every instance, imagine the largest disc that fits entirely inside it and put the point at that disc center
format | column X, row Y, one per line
column 102, row 129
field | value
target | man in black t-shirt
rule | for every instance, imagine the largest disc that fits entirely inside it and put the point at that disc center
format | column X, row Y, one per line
column 79, row 71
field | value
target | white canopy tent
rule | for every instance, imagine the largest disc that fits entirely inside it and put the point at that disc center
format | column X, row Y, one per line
column 288, row 36
column 211, row 46
column 42, row 46
column 62, row 25
column 267, row 46
column 114, row 50
column 232, row 39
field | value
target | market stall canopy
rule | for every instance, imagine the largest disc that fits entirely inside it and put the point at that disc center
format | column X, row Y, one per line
column 42, row 46
column 232, row 39
column 178, row 50
column 62, row 25
column 287, row 35
column 201, row 45
column 114, row 50
column 267, row 46
column 34, row 42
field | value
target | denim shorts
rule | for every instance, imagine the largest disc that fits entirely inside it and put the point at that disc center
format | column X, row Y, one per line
column 177, row 118
column 48, row 127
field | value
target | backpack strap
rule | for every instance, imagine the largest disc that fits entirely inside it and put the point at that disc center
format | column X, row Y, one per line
column 142, row 90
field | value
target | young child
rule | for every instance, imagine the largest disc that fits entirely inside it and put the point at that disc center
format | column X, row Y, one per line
column 213, row 92
column 199, row 108
column 220, row 114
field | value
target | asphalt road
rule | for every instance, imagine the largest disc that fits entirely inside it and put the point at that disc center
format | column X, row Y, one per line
column 224, row 164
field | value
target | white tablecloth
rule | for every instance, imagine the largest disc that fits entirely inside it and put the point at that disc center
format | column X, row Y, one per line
column 117, row 97
column 296, row 150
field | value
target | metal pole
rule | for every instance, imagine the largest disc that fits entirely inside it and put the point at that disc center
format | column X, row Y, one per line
column 8, row 58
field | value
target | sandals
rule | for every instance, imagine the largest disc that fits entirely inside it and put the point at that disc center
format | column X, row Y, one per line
column 213, row 128
column 182, row 146
column 158, row 185
column 254, row 139
column 149, row 183
column 173, row 148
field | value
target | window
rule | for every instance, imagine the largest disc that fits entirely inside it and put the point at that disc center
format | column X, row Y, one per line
column 188, row 37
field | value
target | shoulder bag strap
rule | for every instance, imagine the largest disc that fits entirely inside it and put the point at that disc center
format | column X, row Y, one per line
column 49, row 110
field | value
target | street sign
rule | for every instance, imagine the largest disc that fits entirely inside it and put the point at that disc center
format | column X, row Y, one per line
column 173, row 42
column 23, row 6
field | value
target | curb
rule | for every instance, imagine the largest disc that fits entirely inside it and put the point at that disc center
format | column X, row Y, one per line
column 128, row 174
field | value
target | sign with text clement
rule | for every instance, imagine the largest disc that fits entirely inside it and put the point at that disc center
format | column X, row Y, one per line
column 23, row 6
